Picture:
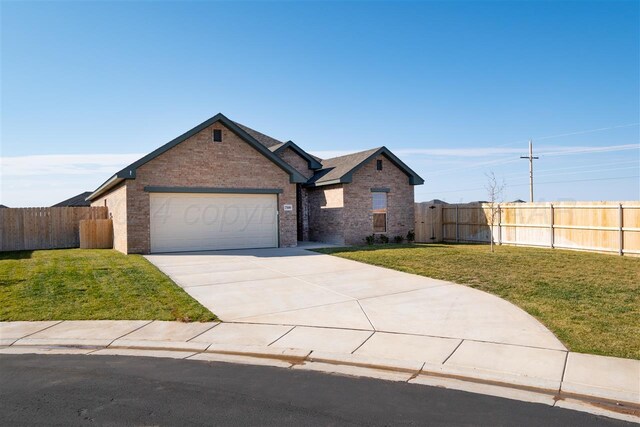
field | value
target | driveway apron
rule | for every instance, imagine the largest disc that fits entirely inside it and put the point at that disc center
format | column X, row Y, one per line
column 302, row 288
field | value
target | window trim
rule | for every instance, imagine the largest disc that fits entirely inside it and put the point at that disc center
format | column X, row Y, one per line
column 213, row 135
column 385, row 213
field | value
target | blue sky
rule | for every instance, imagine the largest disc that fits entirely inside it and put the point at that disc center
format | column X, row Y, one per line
column 454, row 88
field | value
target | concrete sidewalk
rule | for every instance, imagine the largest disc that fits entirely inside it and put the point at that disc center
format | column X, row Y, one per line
column 554, row 377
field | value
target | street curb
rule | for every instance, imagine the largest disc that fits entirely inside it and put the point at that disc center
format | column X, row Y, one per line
column 297, row 357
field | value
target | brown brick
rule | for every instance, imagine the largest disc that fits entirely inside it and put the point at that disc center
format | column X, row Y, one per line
column 200, row 162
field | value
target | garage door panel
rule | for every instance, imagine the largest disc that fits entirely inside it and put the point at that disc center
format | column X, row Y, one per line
column 188, row 222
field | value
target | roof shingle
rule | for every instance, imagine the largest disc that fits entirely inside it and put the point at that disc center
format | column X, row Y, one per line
column 335, row 168
column 263, row 139
column 77, row 200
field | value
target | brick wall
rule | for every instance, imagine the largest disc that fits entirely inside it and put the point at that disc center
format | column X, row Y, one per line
column 358, row 220
column 199, row 162
column 302, row 166
column 299, row 164
column 326, row 206
column 116, row 203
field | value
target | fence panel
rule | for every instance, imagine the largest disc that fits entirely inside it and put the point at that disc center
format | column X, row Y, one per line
column 598, row 226
column 96, row 233
column 44, row 228
column 428, row 226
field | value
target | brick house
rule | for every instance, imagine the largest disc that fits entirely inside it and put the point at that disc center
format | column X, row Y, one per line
column 223, row 185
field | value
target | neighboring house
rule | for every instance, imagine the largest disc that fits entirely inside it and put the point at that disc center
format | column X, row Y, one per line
column 3, row 206
column 78, row 200
column 223, row 185
column 436, row 202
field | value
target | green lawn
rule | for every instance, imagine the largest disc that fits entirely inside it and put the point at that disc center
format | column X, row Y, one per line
column 82, row 284
column 590, row 301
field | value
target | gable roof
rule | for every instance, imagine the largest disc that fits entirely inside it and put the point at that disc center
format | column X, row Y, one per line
column 340, row 169
column 277, row 146
column 314, row 162
column 263, row 139
column 77, row 200
column 129, row 172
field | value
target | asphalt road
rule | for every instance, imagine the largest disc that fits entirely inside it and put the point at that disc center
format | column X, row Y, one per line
column 110, row 390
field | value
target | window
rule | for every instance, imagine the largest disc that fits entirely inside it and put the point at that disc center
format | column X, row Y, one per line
column 379, row 212
column 217, row 135
column 379, row 165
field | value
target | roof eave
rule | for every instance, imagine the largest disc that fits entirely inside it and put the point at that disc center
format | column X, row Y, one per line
column 414, row 178
column 313, row 163
column 295, row 176
column 129, row 172
column 331, row 182
column 106, row 186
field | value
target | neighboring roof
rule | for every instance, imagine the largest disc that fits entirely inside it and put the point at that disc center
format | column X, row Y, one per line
column 314, row 162
column 248, row 135
column 78, row 200
column 436, row 202
column 339, row 170
column 3, row 206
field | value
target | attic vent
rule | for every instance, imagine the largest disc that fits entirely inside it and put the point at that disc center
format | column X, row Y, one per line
column 217, row 135
column 379, row 165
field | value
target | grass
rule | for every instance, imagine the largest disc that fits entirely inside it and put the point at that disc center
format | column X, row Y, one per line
column 590, row 301
column 90, row 284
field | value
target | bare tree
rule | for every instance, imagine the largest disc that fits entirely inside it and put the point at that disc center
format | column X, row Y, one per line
column 495, row 191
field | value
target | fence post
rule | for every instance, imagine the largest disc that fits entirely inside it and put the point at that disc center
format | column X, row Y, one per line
column 551, row 220
column 499, row 224
column 457, row 228
column 621, row 217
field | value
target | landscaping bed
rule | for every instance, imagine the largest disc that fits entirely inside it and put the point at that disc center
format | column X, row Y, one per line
column 90, row 284
column 590, row 301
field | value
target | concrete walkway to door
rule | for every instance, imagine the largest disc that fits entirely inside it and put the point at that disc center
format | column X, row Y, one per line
column 297, row 287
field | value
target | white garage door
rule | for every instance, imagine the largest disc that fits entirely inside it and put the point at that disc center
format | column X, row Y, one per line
column 199, row 222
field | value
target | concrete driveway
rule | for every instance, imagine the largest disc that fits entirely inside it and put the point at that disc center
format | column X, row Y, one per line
column 303, row 288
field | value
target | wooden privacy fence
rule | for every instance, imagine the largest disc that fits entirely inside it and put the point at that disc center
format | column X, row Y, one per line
column 44, row 228
column 96, row 234
column 594, row 226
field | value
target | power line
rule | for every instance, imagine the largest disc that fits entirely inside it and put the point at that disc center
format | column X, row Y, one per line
column 580, row 132
column 583, row 180
column 589, row 150
column 506, row 160
column 587, row 131
column 539, row 183
column 588, row 166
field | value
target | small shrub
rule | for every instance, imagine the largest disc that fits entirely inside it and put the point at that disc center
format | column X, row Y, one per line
column 411, row 236
column 384, row 239
column 370, row 240
column 398, row 239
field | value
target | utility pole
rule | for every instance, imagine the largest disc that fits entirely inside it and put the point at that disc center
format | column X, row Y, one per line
column 531, row 159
